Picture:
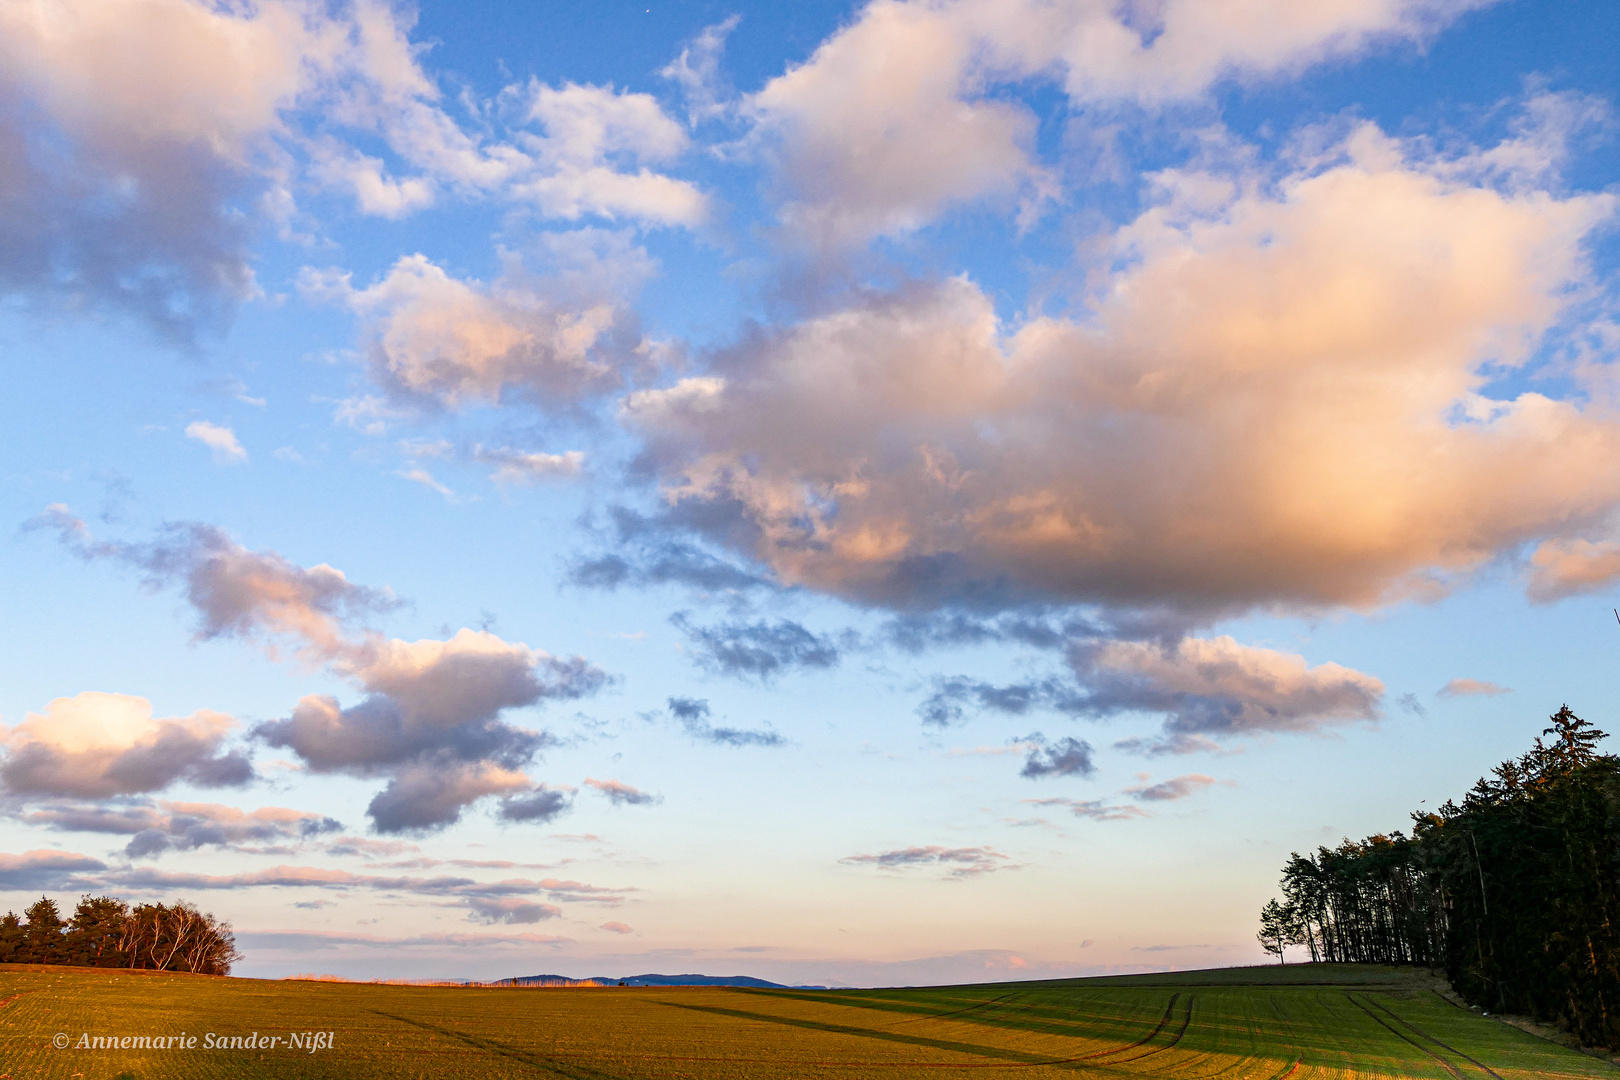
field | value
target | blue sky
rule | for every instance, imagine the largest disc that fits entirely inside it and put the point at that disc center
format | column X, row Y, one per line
column 848, row 494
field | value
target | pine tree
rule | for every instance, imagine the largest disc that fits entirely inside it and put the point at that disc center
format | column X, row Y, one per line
column 42, row 935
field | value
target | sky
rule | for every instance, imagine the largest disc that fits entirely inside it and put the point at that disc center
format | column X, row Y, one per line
column 851, row 494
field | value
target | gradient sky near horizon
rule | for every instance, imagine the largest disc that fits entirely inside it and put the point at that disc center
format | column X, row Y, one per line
column 916, row 491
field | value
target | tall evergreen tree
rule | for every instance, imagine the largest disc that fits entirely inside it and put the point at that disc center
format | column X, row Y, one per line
column 42, row 934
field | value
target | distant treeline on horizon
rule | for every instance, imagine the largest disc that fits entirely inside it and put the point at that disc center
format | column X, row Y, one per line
column 1515, row 892
column 108, row 933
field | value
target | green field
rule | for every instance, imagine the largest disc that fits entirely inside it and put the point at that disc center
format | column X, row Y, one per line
column 1297, row 1022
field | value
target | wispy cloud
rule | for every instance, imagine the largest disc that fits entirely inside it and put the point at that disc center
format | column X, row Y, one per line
column 622, row 794
column 965, row 862
column 220, row 440
column 1473, row 688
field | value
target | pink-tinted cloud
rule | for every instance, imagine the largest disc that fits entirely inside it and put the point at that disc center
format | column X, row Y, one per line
column 1170, row 790
column 1232, row 427
column 183, row 826
column 94, row 745
column 1473, row 688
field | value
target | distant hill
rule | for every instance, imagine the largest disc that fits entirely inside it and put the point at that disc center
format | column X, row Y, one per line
column 648, row 980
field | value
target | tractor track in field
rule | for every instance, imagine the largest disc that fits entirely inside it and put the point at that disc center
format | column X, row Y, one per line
column 1381, row 1022
column 1164, row 1021
column 1083, row 1060
column 1478, row 1063
column 545, row 1062
column 953, row 1012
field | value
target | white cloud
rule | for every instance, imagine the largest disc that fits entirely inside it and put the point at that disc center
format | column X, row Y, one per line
column 589, row 132
column 219, row 439
column 523, row 467
column 376, row 192
column 896, row 117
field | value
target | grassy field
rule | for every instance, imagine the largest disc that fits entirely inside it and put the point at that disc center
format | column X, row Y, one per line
column 1298, row 1022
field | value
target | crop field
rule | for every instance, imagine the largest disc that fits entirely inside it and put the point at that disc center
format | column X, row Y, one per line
column 1299, row 1022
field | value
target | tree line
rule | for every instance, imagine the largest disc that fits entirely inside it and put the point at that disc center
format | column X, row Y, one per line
column 1515, row 891
column 105, row 932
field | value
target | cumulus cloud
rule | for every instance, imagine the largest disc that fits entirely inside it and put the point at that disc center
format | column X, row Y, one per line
column 129, row 132
column 1216, row 686
column 182, row 826
column 432, row 723
column 433, row 340
column 593, row 136
column 622, row 794
column 760, row 650
column 1472, row 688
column 693, row 715
column 1170, row 790
column 961, row 863
column 220, row 440
column 95, row 745
column 898, row 116
column 145, row 143
column 1231, row 427
column 432, row 720
column 1065, row 757
column 430, row 793
column 617, row 928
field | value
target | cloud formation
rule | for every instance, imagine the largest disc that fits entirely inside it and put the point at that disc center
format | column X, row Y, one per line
column 144, row 144
column 952, row 697
column 220, row 440
column 1170, row 790
column 154, row 828
column 588, row 131
column 1094, row 809
column 257, row 596
column 432, row 720
column 622, row 794
column 962, row 863
column 1472, row 688
column 1216, row 686
column 761, row 650
column 902, row 114
column 95, row 745
column 435, row 341
column 43, row 869
column 693, row 715
column 1231, row 426
column 1065, row 757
